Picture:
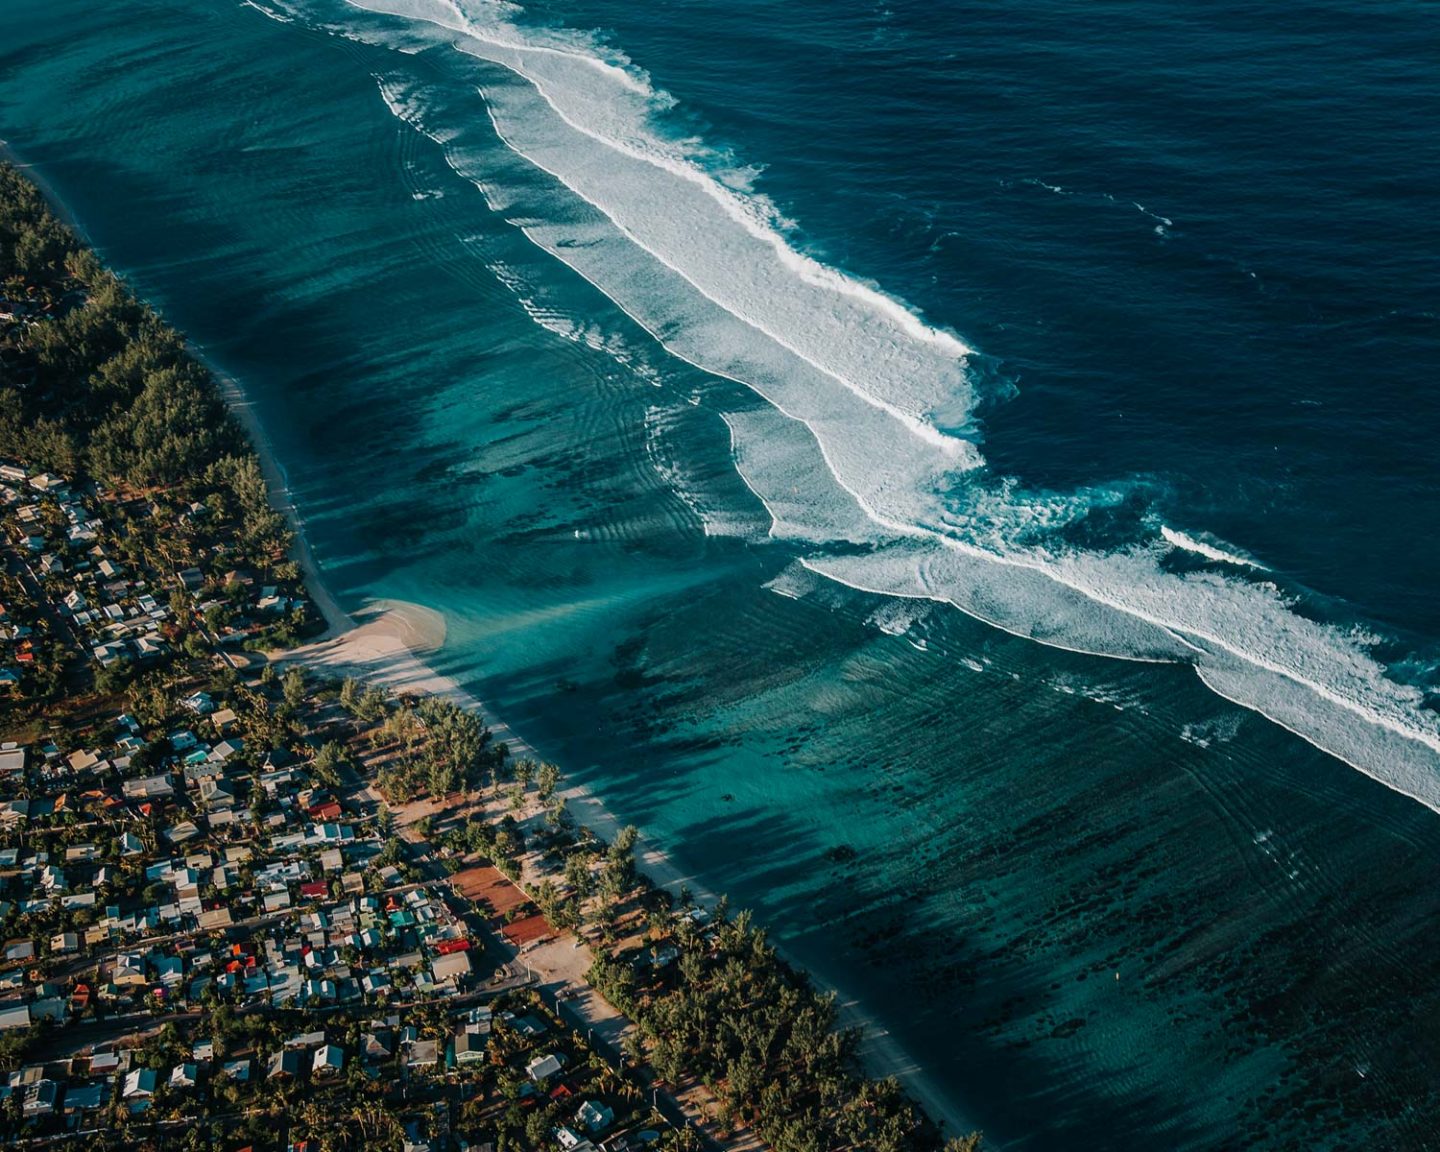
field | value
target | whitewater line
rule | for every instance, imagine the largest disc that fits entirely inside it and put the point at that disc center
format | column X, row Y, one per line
column 1388, row 714
column 952, row 446
column 913, row 531
column 1413, row 792
column 810, row 270
column 1209, row 551
column 940, row 598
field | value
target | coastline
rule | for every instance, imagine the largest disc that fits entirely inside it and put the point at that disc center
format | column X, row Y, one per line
column 386, row 645
column 386, row 642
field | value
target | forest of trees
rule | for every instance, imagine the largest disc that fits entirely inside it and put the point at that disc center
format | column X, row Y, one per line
column 98, row 382
column 735, row 1016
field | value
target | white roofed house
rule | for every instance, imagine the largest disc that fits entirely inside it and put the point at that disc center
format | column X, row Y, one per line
column 18, row 950
column 129, row 969
column 140, row 1082
column 200, row 703
column 40, row 1098
column 148, row 787
column 217, row 794
column 469, row 1047
column 594, row 1116
column 64, row 942
column 14, row 1016
column 329, row 1060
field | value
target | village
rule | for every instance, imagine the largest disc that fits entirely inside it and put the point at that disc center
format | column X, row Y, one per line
column 205, row 903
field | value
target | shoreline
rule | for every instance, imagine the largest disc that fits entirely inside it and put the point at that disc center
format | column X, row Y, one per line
column 386, row 646
column 386, row 642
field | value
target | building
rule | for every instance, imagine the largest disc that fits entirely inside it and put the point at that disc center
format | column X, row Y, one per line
column 140, row 1082
column 542, row 1068
column 594, row 1117
column 451, row 969
column 329, row 1060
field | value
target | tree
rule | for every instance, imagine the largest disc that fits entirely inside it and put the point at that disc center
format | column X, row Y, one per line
column 292, row 684
column 330, row 761
column 349, row 693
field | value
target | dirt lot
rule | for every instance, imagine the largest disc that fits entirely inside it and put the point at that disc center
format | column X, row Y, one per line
column 488, row 886
column 526, row 930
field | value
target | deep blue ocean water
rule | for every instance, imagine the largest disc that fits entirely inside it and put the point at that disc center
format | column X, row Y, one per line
column 633, row 338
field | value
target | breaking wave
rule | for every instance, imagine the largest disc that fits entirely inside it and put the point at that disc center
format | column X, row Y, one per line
column 1208, row 550
column 865, row 457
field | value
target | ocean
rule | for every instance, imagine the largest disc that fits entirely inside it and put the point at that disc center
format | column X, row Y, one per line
column 960, row 476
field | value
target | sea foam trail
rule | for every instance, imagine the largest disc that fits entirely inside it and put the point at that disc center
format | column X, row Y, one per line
column 1209, row 551
column 706, row 270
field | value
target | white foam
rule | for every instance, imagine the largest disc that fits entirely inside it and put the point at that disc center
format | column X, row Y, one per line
column 1209, row 551
column 851, row 452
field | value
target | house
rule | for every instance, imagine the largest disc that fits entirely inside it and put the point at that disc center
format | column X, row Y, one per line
column 40, row 1098
column 469, row 1047
column 148, row 788
column 226, row 749
column 423, row 1054
column 129, row 970
column 217, row 794
column 106, row 1063
column 184, row 1076
column 18, row 950
column 200, row 703
column 14, row 1016
column 542, row 1068
column 12, row 760
column 63, row 942
column 594, row 1117
column 377, row 1044
column 329, row 1060
column 452, row 968
column 284, row 1065
column 85, row 1097
column 139, row 1082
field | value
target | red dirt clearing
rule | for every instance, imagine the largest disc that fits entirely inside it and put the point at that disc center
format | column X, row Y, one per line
column 526, row 930
column 488, row 886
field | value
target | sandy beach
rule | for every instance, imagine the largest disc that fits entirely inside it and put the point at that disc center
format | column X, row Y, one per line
column 386, row 643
